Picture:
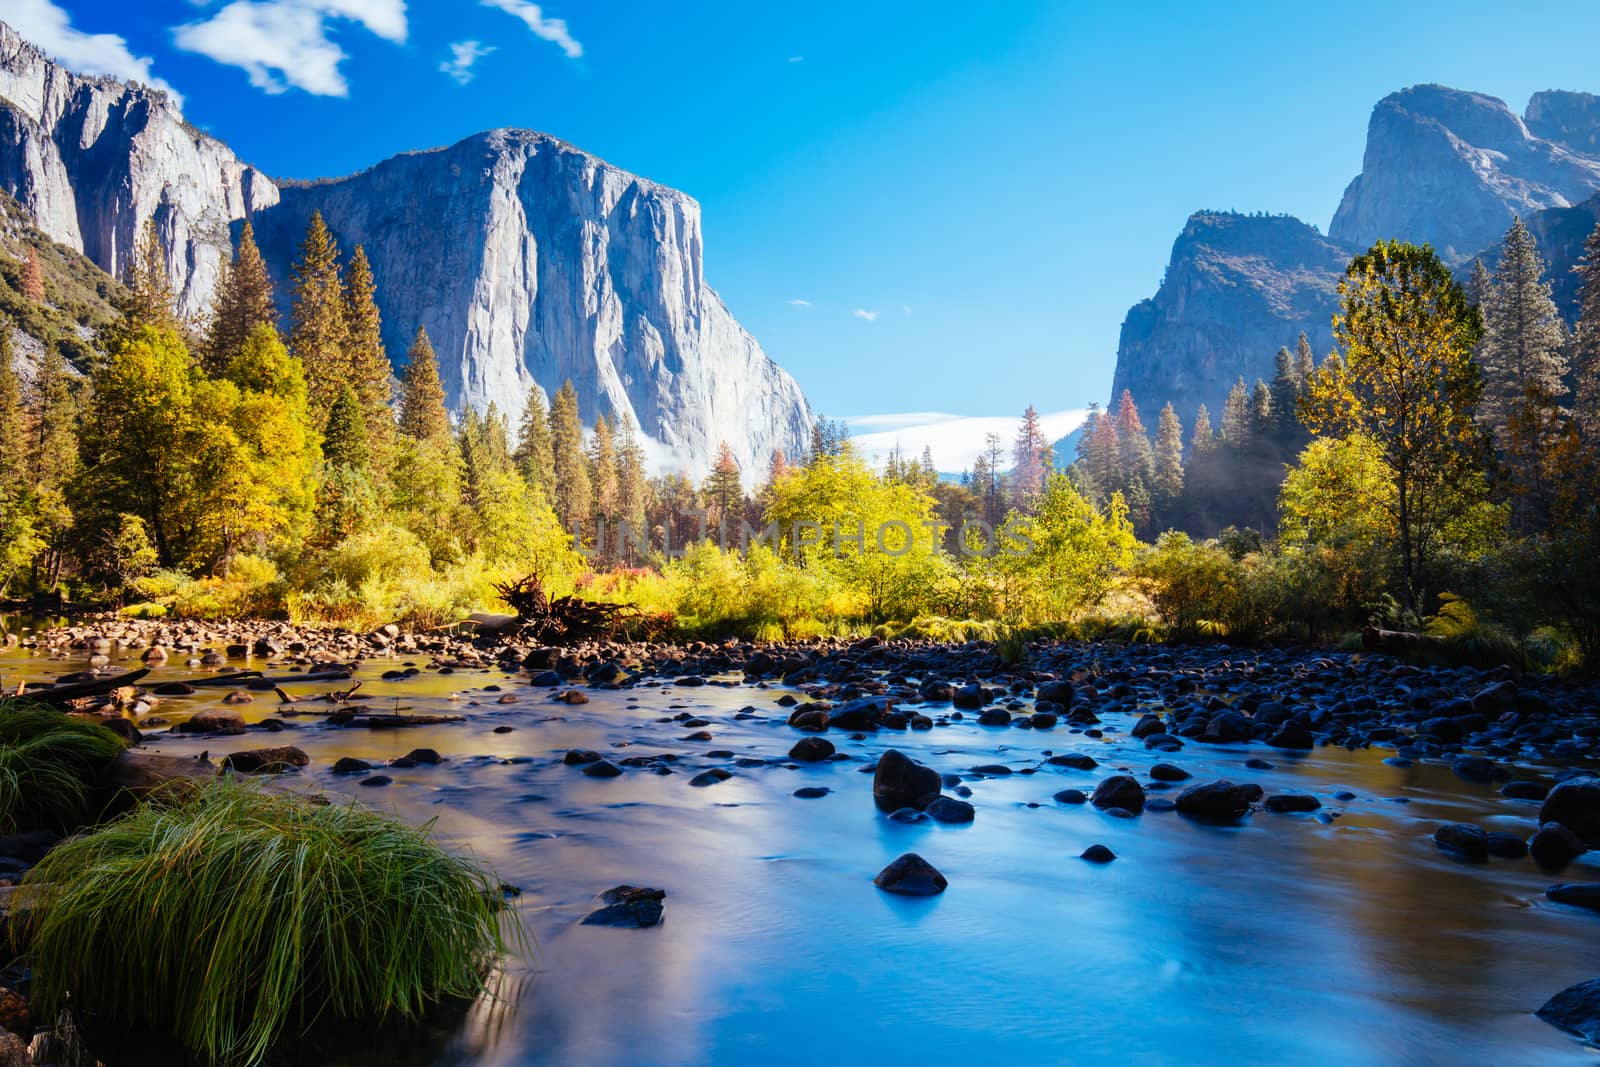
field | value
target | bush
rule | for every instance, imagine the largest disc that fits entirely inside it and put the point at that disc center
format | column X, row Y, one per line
column 219, row 917
column 48, row 767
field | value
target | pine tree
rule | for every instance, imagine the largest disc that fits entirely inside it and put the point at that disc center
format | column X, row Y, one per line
column 243, row 301
column 13, row 419
column 1479, row 285
column 724, row 491
column 53, row 461
column 1166, row 481
column 1032, row 457
column 32, row 278
column 1203, row 439
column 1521, row 353
column 993, row 496
column 604, row 474
column 1286, row 385
column 533, row 454
column 574, row 497
column 148, row 299
column 1134, row 459
column 1263, row 420
column 633, row 493
column 344, row 443
column 777, row 467
column 1236, row 417
column 367, row 364
column 1305, row 364
column 1586, row 356
column 422, row 412
column 318, row 332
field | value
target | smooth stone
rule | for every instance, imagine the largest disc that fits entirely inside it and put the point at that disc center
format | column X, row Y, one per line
column 1097, row 854
column 601, row 769
column 949, row 810
column 1463, row 839
column 1284, row 803
column 911, row 875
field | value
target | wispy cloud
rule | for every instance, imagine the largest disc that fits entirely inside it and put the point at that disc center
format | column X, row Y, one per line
column 955, row 440
column 863, row 313
column 463, row 55
column 49, row 27
column 284, row 44
column 553, row 30
column 797, row 59
column 799, row 303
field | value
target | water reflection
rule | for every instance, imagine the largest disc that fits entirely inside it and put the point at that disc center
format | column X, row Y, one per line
column 1286, row 940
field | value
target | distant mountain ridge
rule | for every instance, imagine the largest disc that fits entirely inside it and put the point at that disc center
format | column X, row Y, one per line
column 529, row 261
column 1441, row 166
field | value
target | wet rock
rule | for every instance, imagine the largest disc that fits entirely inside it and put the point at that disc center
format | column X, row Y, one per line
column 571, row 696
column 1166, row 772
column 1061, row 694
column 266, row 760
column 376, row 780
column 1119, row 791
column 1464, row 840
column 1576, row 1010
column 1075, row 760
column 908, row 815
column 1147, row 725
column 912, row 876
column 351, row 765
column 1255, row 763
column 546, row 680
column 1292, row 735
column 1577, row 894
column 1220, row 801
column 1097, row 854
column 811, row 749
column 425, row 756
column 628, row 906
column 1524, row 791
column 901, row 781
column 601, row 769
column 710, row 777
column 950, row 810
column 1226, row 727
column 1575, row 804
column 812, row 792
column 1506, row 846
column 1553, row 846
column 140, row 773
column 1159, row 804
column 218, row 721
column 238, row 696
column 577, row 757
column 1070, row 796
column 969, row 698
column 994, row 717
column 1042, row 720
column 1285, row 803
column 992, row 770
column 1478, row 769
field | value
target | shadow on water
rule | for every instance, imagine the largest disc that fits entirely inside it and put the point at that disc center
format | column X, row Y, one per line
column 1340, row 937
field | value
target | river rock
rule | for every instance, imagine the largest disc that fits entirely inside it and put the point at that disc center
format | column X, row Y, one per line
column 219, row 721
column 1575, row 804
column 1576, row 1010
column 950, row 810
column 601, row 769
column 1283, row 803
column 628, row 906
column 811, row 749
column 1119, row 791
column 1292, row 735
column 1524, row 791
column 1478, row 769
column 1076, row 760
column 577, row 757
column 1506, row 846
column 710, row 777
column 1220, row 800
column 911, row 876
column 351, row 765
column 901, row 781
column 1554, row 846
column 140, row 773
column 1577, row 894
column 1097, row 854
column 266, row 760
column 1463, row 839
column 1166, row 772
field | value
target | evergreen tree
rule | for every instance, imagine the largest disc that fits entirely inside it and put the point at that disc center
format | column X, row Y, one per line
column 1236, row 417
column 1305, row 364
column 605, row 476
column 1203, row 439
column 574, row 496
column 1166, row 481
column 243, row 301
column 13, row 419
column 1286, row 385
column 32, row 278
column 344, row 443
column 1263, row 420
column 54, row 460
column 633, row 493
column 1407, row 381
column 1586, row 356
column 993, row 495
column 778, row 467
column 422, row 412
column 1134, row 459
column 147, row 300
column 1523, row 337
column 724, row 491
column 1032, row 459
column 367, row 364
column 533, row 455
column 1479, row 285
column 318, row 332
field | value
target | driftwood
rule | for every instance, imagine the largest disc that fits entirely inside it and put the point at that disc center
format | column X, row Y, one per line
column 564, row 620
column 1381, row 640
column 62, row 695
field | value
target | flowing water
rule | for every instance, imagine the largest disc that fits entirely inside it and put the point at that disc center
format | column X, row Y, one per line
column 1291, row 939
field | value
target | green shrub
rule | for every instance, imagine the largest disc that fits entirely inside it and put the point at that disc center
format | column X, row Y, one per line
column 48, row 767
column 225, row 916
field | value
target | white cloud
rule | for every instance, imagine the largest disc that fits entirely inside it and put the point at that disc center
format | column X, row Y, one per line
column 863, row 313
column 463, row 54
column 798, row 303
column 284, row 44
column 956, row 440
column 797, row 59
column 49, row 27
column 553, row 30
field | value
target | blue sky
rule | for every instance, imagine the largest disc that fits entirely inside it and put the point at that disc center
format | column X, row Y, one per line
column 916, row 207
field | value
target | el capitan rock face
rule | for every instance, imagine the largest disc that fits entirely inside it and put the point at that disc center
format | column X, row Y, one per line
column 1238, row 288
column 1452, row 168
column 527, row 260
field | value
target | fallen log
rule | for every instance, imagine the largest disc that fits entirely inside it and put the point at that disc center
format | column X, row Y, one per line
column 1377, row 639
column 61, row 695
column 387, row 721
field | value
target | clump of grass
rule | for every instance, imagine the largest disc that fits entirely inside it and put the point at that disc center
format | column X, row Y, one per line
column 224, row 917
column 48, row 767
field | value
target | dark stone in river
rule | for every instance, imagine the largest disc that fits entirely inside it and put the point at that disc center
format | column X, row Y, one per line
column 376, row 780
column 577, row 757
column 901, row 781
column 994, row 717
column 426, row 756
column 351, row 765
column 950, row 810
column 266, row 760
column 812, row 792
column 1292, row 735
column 1463, row 839
column 711, row 777
column 911, row 876
column 1119, row 791
column 1285, row 803
column 627, row 906
column 1075, row 760
column 1576, row 1010
column 1070, row 796
column 811, row 749
column 1479, row 769
column 601, row 769
column 1221, row 800
column 1577, row 894
column 1524, row 791
column 1064, row 694
column 1554, row 846
column 1504, row 845
column 1575, row 804
column 1097, row 854
column 1166, row 772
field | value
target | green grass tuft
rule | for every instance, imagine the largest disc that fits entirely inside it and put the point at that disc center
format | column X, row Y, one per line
column 48, row 767
column 224, row 918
